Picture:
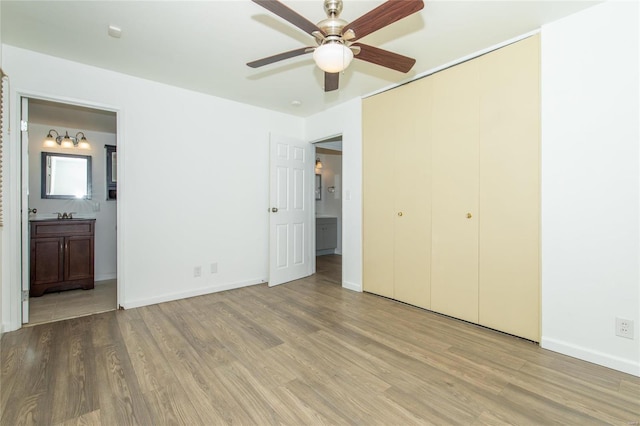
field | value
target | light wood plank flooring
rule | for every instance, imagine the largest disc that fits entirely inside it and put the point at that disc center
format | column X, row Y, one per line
column 307, row 352
column 73, row 303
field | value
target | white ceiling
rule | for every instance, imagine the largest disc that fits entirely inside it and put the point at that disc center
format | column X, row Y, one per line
column 204, row 45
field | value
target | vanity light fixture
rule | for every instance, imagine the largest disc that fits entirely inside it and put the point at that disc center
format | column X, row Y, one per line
column 66, row 141
column 318, row 165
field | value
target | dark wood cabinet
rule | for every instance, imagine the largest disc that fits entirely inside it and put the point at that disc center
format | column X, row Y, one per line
column 62, row 255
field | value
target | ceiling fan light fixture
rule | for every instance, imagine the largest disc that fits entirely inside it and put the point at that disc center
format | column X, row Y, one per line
column 332, row 57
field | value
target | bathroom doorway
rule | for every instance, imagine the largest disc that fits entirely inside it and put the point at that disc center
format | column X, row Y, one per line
column 328, row 190
column 61, row 133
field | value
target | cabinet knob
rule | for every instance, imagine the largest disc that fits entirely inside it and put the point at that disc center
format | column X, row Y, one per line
column 469, row 216
column 399, row 213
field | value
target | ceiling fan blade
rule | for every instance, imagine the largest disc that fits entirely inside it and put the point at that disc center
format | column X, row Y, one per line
column 385, row 14
column 384, row 58
column 279, row 57
column 331, row 80
column 290, row 15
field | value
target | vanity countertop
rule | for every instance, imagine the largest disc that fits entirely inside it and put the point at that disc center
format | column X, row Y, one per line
column 55, row 219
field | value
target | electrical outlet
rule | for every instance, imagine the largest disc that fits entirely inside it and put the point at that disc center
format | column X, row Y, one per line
column 214, row 268
column 197, row 271
column 624, row 328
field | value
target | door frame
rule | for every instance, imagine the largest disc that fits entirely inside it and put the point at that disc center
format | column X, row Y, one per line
column 315, row 143
column 17, row 193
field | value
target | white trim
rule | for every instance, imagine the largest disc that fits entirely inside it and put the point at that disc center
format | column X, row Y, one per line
column 455, row 62
column 191, row 293
column 596, row 357
column 352, row 286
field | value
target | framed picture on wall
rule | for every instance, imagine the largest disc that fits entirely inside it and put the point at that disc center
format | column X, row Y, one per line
column 112, row 172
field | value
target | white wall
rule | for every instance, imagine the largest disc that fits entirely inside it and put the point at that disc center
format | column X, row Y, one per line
column 193, row 170
column 330, row 204
column 590, row 184
column 4, row 138
column 346, row 119
column 103, row 211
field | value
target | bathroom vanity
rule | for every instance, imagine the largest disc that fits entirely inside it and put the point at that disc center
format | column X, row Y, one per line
column 62, row 255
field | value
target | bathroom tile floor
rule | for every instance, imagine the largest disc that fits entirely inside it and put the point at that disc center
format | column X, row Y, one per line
column 73, row 303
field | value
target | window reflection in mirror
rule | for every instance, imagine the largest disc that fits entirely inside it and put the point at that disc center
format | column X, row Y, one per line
column 66, row 176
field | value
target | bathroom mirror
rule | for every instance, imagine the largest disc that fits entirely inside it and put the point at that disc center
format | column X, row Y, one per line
column 318, row 186
column 112, row 172
column 66, row 176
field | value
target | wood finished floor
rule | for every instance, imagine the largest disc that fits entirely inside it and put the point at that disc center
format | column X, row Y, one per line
column 307, row 352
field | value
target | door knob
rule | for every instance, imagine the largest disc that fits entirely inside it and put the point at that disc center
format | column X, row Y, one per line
column 469, row 216
column 399, row 213
column 274, row 209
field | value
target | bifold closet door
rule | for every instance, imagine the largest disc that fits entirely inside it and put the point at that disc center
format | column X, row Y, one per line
column 454, row 257
column 509, row 189
column 378, row 215
column 412, row 230
column 396, row 194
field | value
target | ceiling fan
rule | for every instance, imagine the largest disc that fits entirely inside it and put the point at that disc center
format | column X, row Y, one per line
column 336, row 38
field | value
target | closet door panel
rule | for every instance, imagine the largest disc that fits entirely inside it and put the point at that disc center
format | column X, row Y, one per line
column 454, row 263
column 378, row 194
column 509, row 196
column 413, row 196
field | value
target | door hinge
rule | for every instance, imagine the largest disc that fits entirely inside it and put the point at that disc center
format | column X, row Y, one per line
column 24, row 126
column 25, row 295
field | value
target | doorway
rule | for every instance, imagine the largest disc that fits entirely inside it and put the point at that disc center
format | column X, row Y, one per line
column 328, row 190
column 66, row 132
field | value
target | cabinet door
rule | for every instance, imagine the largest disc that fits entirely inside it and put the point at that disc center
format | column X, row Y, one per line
column 320, row 244
column 454, row 277
column 509, row 189
column 330, row 235
column 78, row 255
column 379, row 113
column 47, row 260
column 412, row 182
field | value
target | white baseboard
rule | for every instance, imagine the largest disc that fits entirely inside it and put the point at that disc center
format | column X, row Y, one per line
column 105, row 277
column 352, row 286
column 191, row 293
column 596, row 357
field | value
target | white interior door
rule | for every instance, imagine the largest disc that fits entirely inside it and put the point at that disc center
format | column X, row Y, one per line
column 24, row 215
column 290, row 237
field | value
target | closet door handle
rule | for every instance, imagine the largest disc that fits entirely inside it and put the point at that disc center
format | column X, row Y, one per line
column 400, row 214
column 469, row 216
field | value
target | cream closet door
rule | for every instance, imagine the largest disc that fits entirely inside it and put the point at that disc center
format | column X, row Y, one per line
column 412, row 230
column 454, row 258
column 509, row 196
column 378, row 192
column 396, row 194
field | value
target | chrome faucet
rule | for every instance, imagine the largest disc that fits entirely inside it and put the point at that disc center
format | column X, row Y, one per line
column 65, row 215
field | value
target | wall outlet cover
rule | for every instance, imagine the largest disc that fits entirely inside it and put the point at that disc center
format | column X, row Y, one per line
column 624, row 328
